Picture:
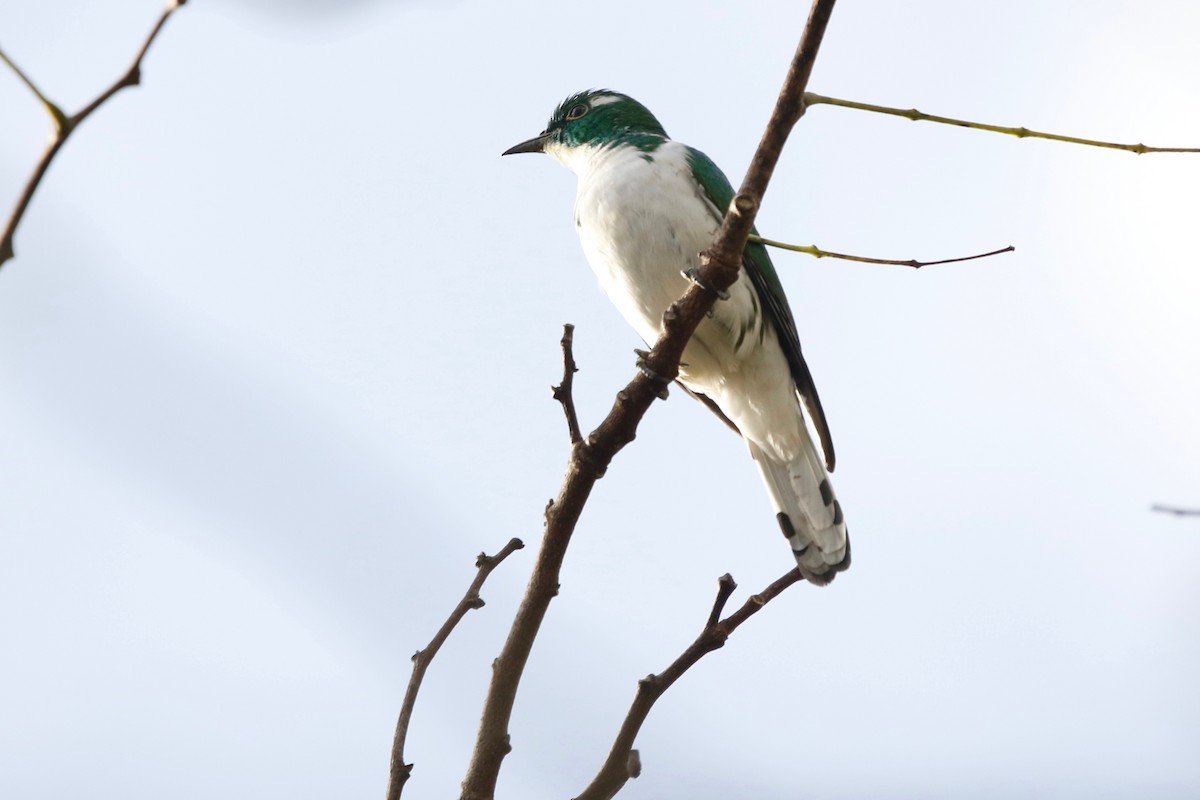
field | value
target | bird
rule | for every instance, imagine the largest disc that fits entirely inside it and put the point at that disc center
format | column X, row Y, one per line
column 645, row 207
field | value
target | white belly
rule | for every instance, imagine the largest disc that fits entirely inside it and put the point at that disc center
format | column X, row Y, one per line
column 642, row 224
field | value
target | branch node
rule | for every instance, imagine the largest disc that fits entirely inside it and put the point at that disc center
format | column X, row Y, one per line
column 745, row 204
column 725, row 588
column 583, row 455
column 634, row 765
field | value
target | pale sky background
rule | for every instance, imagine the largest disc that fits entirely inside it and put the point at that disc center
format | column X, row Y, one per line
column 274, row 366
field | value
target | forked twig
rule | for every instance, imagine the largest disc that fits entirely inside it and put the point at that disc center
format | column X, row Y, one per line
column 563, row 392
column 813, row 250
column 913, row 114
column 65, row 125
column 398, row 771
column 616, row 770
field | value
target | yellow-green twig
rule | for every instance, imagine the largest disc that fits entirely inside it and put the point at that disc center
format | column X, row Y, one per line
column 60, row 119
column 811, row 99
column 813, row 250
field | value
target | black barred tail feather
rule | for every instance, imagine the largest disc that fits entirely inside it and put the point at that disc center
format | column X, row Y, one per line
column 808, row 512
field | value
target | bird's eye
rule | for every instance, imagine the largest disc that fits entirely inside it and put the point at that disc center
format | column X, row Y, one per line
column 577, row 111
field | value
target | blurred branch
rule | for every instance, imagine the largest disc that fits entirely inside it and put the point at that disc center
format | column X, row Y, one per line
column 623, row 762
column 813, row 250
column 563, row 392
column 592, row 455
column 398, row 771
column 1179, row 512
column 65, row 125
column 1021, row 133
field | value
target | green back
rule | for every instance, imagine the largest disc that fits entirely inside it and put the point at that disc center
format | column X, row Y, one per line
column 766, row 281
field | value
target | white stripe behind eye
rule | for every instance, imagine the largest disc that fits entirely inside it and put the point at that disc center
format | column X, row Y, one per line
column 605, row 99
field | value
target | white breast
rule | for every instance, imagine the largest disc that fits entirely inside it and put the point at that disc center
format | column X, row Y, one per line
column 643, row 221
column 641, row 224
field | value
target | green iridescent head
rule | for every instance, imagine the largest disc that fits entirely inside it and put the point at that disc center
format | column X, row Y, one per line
column 596, row 117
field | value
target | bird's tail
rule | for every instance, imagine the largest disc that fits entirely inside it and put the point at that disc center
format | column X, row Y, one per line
column 808, row 512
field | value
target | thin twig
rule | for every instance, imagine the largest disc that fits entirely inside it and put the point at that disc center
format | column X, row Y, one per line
column 726, row 586
column 1179, row 512
column 1021, row 133
column 615, row 772
column 398, row 771
column 60, row 119
column 562, row 392
column 813, row 250
column 64, row 126
column 592, row 455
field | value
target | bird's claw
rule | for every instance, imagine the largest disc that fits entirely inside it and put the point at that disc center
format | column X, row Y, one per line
column 644, row 368
column 693, row 275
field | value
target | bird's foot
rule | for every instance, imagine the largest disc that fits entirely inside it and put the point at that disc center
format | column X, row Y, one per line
column 693, row 275
column 645, row 369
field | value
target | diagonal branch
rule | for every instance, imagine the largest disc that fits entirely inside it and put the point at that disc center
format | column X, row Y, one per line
column 64, row 126
column 1021, row 133
column 622, row 762
column 590, row 456
column 398, row 771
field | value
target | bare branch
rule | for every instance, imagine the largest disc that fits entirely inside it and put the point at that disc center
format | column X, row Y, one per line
column 591, row 456
column 616, row 770
column 398, row 771
column 64, row 126
column 813, row 250
column 726, row 586
column 1021, row 133
column 1179, row 512
column 562, row 392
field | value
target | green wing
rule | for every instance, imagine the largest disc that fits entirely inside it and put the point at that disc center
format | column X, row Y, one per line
column 758, row 266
